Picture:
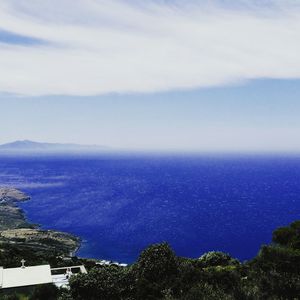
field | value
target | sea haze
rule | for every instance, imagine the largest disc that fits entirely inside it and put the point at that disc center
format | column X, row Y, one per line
column 119, row 205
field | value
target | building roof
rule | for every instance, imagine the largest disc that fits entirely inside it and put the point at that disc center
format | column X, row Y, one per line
column 1, row 275
column 18, row 277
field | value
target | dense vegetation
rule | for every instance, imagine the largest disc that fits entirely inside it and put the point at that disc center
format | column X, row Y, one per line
column 159, row 274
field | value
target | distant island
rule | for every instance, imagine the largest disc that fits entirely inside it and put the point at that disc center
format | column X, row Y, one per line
column 27, row 146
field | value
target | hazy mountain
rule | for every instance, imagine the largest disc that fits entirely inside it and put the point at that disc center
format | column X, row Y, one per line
column 30, row 146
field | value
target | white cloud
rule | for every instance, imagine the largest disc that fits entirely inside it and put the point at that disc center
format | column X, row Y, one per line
column 96, row 46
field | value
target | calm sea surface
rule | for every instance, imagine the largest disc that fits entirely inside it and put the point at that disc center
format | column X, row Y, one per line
column 119, row 205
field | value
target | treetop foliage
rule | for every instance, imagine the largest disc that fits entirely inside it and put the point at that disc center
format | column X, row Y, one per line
column 274, row 274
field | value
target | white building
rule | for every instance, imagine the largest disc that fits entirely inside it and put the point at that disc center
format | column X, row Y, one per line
column 35, row 275
column 24, row 276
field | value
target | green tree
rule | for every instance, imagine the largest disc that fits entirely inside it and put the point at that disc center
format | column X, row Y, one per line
column 108, row 282
column 275, row 272
column 156, row 271
column 288, row 236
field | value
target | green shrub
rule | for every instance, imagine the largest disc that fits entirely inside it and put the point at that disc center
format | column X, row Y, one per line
column 106, row 282
column 205, row 291
column 215, row 258
column 45, row 292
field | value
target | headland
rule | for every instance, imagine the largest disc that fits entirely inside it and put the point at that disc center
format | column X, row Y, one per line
column 15, row 228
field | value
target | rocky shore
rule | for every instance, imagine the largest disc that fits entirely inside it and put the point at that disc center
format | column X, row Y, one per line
column 15, row 229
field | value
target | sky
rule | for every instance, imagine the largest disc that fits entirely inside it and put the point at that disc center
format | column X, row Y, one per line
column 152, row 75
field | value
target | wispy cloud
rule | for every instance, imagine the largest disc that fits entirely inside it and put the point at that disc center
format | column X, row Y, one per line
column 94, row 46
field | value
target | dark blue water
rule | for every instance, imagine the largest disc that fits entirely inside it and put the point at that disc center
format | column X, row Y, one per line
column 120, row 205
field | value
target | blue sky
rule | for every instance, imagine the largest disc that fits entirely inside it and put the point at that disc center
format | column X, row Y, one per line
column 256, row 116
column 156, row 75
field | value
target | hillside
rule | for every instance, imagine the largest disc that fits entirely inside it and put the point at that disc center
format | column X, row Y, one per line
column 15, row 229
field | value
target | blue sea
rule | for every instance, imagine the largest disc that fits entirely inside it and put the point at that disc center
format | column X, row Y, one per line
column 119, row 204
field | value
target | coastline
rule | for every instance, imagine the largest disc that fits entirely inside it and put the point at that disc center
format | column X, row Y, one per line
column 16, row 229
